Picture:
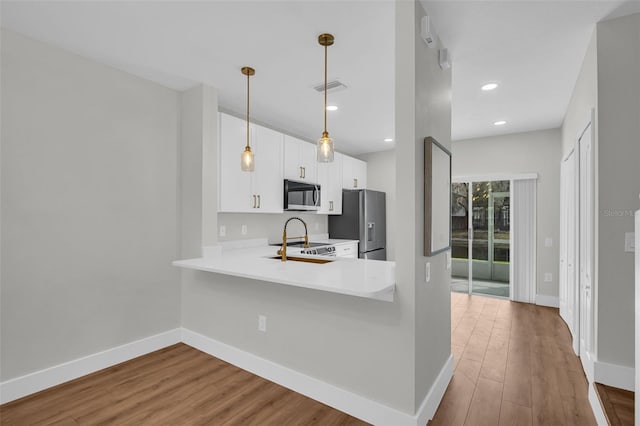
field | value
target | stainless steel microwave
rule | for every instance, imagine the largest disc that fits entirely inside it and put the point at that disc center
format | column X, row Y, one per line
column 301, row 196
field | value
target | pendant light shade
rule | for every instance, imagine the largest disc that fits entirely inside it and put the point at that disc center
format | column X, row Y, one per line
column 325, row 143
column 247, row 163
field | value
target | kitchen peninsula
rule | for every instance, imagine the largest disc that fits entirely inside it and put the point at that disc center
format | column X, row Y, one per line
column 254, row 259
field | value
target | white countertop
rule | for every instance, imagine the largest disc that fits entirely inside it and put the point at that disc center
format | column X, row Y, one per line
column 373, row 279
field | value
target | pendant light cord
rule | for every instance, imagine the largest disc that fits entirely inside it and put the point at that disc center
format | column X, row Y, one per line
column 248, row 76
column 325, row 88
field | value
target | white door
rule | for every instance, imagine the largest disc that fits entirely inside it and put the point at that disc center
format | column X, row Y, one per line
column 235, row 185
column 292, row 163
column 569, row 301
column 562, row 278
column 585, row 255
column 330, row 180
column 267, row 179
column 309, row 161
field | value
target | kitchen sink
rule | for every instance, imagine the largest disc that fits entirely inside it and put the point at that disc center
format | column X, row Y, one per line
column 303, row 259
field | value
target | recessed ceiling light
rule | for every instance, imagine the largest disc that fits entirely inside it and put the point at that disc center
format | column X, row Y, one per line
column 332, row 107
column 489, row 86
column 500, row 123
column 388, row 140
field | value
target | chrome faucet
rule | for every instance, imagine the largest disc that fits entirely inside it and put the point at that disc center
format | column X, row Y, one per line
column 283, row 250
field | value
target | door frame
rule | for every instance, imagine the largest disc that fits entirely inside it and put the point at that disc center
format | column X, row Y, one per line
column 469, row 180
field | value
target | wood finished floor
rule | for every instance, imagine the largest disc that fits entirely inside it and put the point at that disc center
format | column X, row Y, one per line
column 177, row 385
column 618, row 405
column 514, row 365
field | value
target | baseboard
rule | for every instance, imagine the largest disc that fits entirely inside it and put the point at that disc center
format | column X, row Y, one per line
column 343, row 400
column 618, row 376
column 338, row 398
column 34, row 382
column 588, row 365
column 544, row 300
column 432, row 400
column 596, row 406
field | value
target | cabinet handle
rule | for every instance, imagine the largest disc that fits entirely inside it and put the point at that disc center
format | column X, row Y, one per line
column 330, row 206
column 355, row 183
column 258, row 201
column 254, row 201
column 300, row 172
column 304, row 173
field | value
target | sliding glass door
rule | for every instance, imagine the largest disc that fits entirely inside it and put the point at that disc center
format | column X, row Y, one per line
column 480, row 236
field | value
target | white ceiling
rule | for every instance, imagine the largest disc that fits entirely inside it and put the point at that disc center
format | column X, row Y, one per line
column 534, row 49
column 180, row 44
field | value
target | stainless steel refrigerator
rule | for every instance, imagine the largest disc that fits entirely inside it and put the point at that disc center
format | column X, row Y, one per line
column 363, row 218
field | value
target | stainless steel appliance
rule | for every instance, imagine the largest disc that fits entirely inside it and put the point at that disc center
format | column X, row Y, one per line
column 323, row 250
column 318, row 249
column 363, row 218
column 300, row 196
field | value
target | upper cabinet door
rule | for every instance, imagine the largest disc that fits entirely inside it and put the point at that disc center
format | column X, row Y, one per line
column 330, row 180
column 360, row 173
column 299, row 160
column 354, row 173
column 235, row 185
column 309, row 162
column 267, row 181
column 292, row 164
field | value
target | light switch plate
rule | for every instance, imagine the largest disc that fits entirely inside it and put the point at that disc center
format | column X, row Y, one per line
column 223, row 230
column 427, row 268
column 243, row 229
column 448, row 257
column 548, row 242
column 630, row 242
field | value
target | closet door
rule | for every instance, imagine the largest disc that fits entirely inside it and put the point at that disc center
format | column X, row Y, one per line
column 569, row 301
column 586, row 230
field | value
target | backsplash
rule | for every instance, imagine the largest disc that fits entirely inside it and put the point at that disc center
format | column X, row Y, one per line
column 264, row 225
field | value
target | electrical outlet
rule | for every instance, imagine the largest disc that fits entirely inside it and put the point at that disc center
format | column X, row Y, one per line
column 262, row 323
column 548, row 277
column 223, row 230
column 427, row 270
column 243, row 229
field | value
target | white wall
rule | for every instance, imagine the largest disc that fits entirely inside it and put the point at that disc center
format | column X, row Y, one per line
column 261, row 225
column 608, row 82
column 381, row 176
column 530, row 152
column 431, row 116
column 583, row 99
column 618, row 128
column 361, row 345
column 88, row 207
column 364, row 346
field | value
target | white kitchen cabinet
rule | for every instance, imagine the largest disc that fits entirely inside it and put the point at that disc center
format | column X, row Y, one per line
column 300, row 160
column 347, row 249
column 354, row 173
column 259, row 191
column 330, row 180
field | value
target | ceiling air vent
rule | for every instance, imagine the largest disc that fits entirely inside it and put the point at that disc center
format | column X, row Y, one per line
column 332, row 86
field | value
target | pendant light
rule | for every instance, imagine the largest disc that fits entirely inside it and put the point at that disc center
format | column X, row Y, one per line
column 246, row 158
column 325, row 143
